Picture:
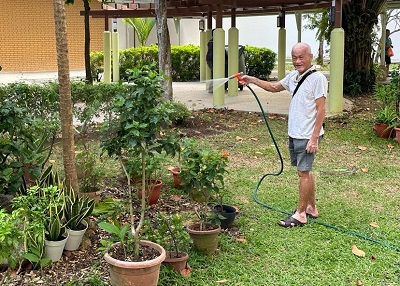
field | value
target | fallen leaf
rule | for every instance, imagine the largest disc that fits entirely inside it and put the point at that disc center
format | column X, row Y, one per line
column 390, row 146
column 240, row 239
column 373, row 258
column 358, row 282
column 238, row 138
column 374, row 224
column 222, row 281
column 254, row 139
column 357, row 252
column 258, row 153
column 365, row 170
column 362, row 148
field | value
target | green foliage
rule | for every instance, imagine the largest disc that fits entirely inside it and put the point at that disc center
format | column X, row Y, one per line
column 169, row 232
column 202, row 172
column 119, row 233
column 76, row 208
column 259, row 61
column 142, row 26
column 180, row 112
column 43, row 205
column 11, row 238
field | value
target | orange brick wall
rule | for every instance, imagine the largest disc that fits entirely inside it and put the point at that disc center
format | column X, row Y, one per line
column 28, row 38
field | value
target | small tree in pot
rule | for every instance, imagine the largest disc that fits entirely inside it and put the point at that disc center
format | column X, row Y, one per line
column 140, row 116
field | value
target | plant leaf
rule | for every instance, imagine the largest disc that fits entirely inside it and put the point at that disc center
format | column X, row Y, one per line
column 374, row 224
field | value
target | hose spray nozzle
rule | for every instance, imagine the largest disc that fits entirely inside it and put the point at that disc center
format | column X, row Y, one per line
column 238, row 76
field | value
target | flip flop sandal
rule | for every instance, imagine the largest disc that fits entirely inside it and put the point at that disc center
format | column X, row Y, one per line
column 290, row 222
column 309, row 215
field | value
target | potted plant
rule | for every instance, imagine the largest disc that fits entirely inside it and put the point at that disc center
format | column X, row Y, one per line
column 76, row 208
column 168, row 231
column 90, row 171
column 42, row 207
column 203, row 173
column 226, row 213
column 384, row 120
column 11, row 237
column 154, row 183
column 386, row 95
column 140, row 115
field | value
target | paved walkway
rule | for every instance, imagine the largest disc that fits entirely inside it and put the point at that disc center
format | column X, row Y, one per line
column 193, row 94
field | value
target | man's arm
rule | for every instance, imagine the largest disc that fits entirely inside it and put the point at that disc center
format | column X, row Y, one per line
column 312, row 145
column 267, row 85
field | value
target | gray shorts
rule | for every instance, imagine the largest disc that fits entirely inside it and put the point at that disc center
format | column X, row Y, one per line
column 299, row 157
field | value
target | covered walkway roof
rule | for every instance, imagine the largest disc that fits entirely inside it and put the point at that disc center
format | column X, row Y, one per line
column 198, row 8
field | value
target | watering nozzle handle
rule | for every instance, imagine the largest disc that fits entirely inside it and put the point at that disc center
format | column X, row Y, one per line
column 238, row 76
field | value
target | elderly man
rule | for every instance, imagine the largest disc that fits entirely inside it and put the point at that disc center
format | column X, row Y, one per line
column 305, row 125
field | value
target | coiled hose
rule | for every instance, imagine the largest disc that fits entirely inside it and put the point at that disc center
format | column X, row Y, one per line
column 337, row 228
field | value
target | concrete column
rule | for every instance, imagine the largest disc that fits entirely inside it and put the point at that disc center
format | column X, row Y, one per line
column 203, row 53
column 115, row 56
column 219, row 66
column 281, row 53
column 233, row 59
column 336, row 71
column 107, row 56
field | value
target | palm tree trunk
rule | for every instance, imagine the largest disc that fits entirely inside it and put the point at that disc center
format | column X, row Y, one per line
column 68, row 143
column 164, row 47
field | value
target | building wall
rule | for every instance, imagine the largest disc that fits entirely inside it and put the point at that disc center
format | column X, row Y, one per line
column 28, row 38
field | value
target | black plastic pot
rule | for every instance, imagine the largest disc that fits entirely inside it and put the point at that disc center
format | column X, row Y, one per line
column 228, row 212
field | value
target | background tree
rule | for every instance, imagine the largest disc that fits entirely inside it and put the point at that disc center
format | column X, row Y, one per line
column 67, row 130
column 86, row 4
column 164, row 47
column 319, row 21
column 142, row 27
column 359, row 20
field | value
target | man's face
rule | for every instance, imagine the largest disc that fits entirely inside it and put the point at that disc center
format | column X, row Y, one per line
column 301, row 59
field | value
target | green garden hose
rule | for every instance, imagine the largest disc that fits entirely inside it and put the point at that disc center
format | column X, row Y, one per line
column 337, row 228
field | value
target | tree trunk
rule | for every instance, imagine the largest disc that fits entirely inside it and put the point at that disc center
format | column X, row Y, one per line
column 88, row 71
column 320, row 59
column 68, row 144
column 359, row 19
column 164, row 47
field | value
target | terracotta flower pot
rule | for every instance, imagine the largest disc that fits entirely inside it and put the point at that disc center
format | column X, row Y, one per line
column 153, row 192
column 397, row 138
column 176, row 262
column 176, row 176
column 123, row 273
column 382, row 130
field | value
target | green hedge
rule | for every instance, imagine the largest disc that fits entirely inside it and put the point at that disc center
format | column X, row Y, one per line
column 185, row 61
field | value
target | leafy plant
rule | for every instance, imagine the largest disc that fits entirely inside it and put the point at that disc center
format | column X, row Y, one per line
column 137, row 130
column 11, row 238
column 202, row 174
column 76, row 208
column 169, row 231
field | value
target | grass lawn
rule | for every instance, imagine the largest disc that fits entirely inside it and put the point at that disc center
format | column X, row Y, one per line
column 357, row 178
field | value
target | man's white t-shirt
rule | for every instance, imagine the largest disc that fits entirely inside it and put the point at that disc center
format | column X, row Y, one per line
column 302, row 110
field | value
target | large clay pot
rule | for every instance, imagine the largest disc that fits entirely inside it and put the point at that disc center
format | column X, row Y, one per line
column 382, row 130
column 153, row 192
column 205, row 241
column 228, row 212
column 141, row 273
column 176, row 262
